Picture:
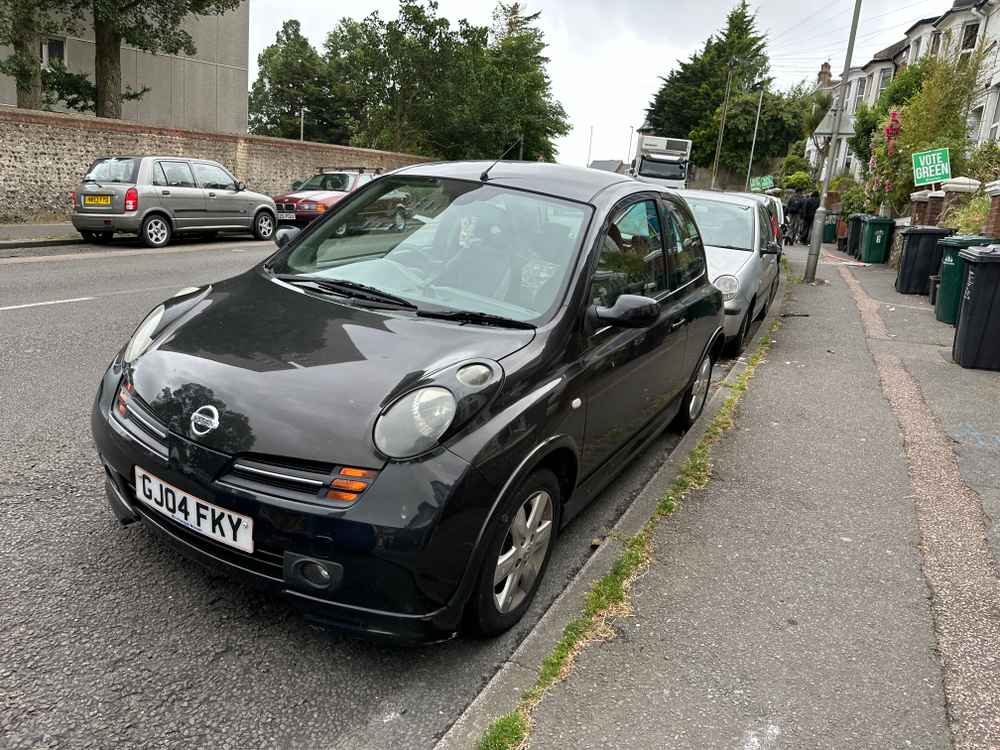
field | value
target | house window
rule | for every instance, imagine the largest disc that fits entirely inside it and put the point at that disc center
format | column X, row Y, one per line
column 883, row 80
column 914, row 50
column 970, row 33
column 935, row 43
column 975, row 123
column 53, row 50
column 859, row 94
column 995, row 122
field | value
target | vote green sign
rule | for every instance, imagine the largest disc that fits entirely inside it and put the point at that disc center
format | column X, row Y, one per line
column 931, row 166
column 762, row 183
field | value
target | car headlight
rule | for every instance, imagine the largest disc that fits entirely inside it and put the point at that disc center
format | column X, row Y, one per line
column 728, row 285
column 143, row 335
column 414, row 423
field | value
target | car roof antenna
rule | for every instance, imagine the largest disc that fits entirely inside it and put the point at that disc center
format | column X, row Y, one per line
column 486, row 172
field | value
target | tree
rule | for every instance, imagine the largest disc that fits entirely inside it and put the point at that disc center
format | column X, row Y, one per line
column 416, row 84
column 150, row 25
column 691, row 94
column 293, row 77
column 23, row 25
column 900, row 90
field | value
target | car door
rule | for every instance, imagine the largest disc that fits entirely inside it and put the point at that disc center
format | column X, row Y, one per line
column 631, row 374
column 689, row 278
column 225, row 206
column 178, row 193
column 767, row 262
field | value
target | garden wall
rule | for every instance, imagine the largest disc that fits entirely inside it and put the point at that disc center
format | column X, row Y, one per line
column 44, row 154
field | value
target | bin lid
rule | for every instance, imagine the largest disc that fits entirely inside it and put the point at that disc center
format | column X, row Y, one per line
column 965, row 240
column 928, row 229
column 857, row 216
column 885, row 220
column 988, row 254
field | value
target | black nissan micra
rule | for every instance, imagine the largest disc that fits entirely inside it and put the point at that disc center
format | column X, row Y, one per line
column 389, row 420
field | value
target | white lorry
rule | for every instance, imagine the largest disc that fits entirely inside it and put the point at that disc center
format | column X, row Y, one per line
column 663, row 161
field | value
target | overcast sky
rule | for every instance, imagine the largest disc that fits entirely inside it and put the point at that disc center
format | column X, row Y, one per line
column 607, row 55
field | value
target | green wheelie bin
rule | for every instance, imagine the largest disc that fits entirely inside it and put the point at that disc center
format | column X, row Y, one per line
column 952, row 271
column 875, row 234
column 830, row 227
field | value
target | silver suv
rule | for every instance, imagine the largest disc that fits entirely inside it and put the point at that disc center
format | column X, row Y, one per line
column 157, row 196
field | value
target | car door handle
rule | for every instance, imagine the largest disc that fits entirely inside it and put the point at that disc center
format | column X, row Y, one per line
column 211, row 195
column 677, row 324
column 164, row 192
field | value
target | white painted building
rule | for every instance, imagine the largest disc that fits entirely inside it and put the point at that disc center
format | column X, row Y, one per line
column 957, row 32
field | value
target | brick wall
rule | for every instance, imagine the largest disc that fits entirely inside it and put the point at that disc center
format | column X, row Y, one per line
column 43, row 155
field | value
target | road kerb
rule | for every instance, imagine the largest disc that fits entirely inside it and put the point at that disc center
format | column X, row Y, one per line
column 504, row 690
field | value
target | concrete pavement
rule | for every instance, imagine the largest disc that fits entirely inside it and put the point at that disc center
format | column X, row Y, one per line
column 110, row 639
column 832, row 587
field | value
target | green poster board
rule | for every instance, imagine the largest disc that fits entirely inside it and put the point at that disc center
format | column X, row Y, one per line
column 762, row 183
column 931, row 166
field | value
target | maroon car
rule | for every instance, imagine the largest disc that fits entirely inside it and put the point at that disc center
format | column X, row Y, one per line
column 315, row 196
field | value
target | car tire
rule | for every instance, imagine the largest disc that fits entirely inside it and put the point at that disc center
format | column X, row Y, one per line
column 263, row 226
column 156, row 231
column 497, row 605
column 696, row 395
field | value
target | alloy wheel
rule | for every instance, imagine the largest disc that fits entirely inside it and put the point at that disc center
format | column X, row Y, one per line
column 265, row 227
column 523, row 551
column 699, row 389
column 157, row 231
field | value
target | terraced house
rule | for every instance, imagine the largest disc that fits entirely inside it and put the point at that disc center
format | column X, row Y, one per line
column 957, row 32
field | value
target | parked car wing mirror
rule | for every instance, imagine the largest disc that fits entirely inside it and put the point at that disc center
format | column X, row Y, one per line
column 296, row 185
column 284, row 235
column 770, row 249
column 240, row 187
column 629, row 311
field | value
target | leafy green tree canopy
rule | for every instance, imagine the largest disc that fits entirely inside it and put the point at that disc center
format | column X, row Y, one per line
column 294, row 92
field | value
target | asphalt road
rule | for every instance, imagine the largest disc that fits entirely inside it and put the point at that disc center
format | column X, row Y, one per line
column 110, row 639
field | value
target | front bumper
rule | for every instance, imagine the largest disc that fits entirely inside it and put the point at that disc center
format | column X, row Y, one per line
column 107, row 222
column 406, row 550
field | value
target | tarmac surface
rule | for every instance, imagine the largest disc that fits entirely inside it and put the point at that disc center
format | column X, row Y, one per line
column 836, row 583
column 110, row 639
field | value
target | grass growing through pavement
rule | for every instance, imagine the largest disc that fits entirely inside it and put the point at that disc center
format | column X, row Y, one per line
column 608, row 597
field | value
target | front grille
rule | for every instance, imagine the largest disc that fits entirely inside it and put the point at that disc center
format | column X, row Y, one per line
column 286, row 207
column 284, row 478
column 142, row 425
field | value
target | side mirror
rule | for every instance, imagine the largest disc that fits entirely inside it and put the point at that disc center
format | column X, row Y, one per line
column 629, row 311
column 284, row 235
column 770, row 249
column 296, row 185
column 240, row 187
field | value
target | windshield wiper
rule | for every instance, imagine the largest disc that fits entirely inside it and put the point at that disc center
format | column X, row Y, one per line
column 479, row 318
column 348, row 289
column 91, row 179
column 732, row 247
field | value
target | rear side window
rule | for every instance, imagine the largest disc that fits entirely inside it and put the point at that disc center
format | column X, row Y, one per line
column 684, row 245
column 213, row 177
column 114, row 169
column 631, row 259
column 173, row 174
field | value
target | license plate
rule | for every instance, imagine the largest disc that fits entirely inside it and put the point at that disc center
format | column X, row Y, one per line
column 196, row 514
column 97, row 200
column 286, row 217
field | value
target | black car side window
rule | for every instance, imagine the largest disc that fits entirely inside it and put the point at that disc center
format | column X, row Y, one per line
column 684, row 246
column 631, row 259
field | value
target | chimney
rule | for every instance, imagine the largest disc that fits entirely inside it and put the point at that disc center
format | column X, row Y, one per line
column 824, row 78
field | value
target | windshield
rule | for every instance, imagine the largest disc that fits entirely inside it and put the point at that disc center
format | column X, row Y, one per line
column 115, row 169
column 448, row 245
column 723, row 224
column 339, row 181
column 667, row 170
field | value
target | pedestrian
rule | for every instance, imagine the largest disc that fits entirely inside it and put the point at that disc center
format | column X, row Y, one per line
column 809, row 206
column 795, row 206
